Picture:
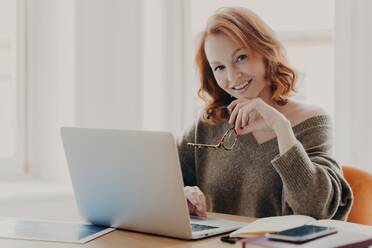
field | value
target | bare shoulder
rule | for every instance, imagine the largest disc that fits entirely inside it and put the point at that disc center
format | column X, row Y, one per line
column 300, row 111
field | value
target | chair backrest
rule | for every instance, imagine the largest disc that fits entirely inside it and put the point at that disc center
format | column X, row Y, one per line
column 361, row 185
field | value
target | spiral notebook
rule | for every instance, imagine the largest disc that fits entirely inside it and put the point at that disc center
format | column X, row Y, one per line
column 54, row 231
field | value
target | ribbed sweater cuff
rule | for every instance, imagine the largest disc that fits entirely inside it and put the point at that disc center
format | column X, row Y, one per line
column 295, row 168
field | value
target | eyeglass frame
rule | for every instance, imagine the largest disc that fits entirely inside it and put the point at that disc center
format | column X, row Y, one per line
column 220, row 144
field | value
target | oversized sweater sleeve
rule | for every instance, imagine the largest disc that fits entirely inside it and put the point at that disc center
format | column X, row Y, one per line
column 186, row 155
column 313, row 182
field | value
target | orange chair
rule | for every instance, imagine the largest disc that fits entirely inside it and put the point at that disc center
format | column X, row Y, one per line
column 361, row 185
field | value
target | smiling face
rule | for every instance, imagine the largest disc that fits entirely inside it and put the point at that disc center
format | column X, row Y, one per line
column 238, row 70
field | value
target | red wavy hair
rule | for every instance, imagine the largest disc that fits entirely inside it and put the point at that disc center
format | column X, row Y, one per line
column 249, row 30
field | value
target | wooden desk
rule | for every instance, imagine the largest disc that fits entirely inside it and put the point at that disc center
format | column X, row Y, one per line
column 65, row 209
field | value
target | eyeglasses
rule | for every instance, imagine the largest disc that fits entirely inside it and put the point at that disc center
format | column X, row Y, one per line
column 227, row 141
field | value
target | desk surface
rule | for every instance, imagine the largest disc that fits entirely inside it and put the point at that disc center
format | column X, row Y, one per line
column 125, row 239
column 65, row 209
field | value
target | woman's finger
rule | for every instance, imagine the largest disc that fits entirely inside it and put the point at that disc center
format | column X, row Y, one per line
column 245, row 119
column 234, row 114
column 202, row 211
column 202, row 202
column 232, row 105
column 192, row 208
column 238, row 120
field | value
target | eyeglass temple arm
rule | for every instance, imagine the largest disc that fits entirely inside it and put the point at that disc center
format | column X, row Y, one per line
column 204, row 145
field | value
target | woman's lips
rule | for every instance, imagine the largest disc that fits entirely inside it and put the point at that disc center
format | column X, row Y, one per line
column 241, row 87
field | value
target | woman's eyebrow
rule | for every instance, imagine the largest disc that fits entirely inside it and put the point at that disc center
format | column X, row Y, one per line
column 233, row 54
column 237, row 50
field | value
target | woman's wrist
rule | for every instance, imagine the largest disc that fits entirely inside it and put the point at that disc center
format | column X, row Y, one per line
column 285, row 136
column 281, row 125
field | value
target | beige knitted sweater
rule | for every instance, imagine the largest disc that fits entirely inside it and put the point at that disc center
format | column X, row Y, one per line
column 253, row 180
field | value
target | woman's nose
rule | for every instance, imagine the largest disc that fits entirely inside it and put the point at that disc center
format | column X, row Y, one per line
column 233, row 75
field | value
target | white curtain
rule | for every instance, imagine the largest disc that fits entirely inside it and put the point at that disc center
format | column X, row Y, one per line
column 353, row 83
column 153, row 64
column 163, row 65
column 84, row 68
column 103, row 64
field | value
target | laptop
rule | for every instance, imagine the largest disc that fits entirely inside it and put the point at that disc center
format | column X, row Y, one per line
column 132, row 180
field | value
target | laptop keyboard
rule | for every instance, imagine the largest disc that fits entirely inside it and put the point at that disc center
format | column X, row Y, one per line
column 198, row 227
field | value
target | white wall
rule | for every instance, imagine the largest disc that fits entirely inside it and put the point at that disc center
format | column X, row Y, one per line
column 12, row 88
column 85, row 69
column 109, row 63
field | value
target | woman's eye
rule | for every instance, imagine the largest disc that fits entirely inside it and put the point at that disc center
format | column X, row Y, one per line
column 241, row 57
column 218, row 68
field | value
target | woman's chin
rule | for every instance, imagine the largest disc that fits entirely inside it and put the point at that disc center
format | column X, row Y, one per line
column 246, row 96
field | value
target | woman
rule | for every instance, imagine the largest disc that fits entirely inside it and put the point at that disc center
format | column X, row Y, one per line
column 281, row 162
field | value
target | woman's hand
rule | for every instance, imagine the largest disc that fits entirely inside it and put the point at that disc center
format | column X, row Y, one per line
column 255, row 115
column 196, row 201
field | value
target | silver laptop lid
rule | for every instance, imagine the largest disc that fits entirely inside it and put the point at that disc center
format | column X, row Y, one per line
column 128, row 179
